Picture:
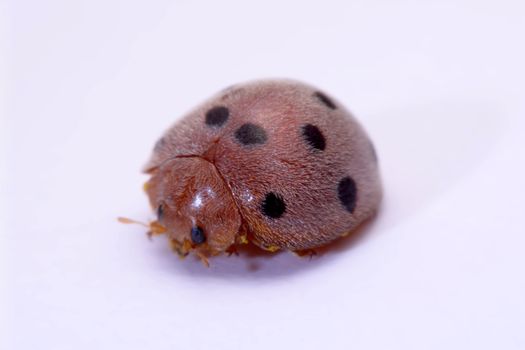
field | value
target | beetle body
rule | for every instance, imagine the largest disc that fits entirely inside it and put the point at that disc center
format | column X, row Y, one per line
column 275, row 162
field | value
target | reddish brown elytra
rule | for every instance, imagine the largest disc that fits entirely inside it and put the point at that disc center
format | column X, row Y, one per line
column 276, row 163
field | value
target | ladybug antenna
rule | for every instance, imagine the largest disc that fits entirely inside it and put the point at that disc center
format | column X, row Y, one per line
column 155, row 228
column 124, row 220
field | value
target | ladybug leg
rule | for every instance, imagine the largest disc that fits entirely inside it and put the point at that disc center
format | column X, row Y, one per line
column 150, row 234
column 203, row 258
column 231, row 250
column 177, row 248
column 155, row 229
column 310, row 253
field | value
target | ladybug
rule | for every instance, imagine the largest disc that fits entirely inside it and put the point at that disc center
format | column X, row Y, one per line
column 276, row 163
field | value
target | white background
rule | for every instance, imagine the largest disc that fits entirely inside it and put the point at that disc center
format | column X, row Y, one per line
column 89, row 87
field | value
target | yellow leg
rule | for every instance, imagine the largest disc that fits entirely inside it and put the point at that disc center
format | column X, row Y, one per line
column 305, row 253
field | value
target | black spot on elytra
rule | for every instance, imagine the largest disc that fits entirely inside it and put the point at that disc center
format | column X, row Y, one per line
column 325, row 100
column 273, row 206
column 250, row 134
column 197, row 235
column 160, row 212
column 314, row 137
column 217, row 116
column 347, row 193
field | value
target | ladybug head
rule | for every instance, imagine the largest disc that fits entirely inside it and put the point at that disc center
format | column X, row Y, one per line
column 194, row 206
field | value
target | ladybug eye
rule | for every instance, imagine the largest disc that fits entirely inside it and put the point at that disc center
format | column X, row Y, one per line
column 197, row 235
column 160, row 212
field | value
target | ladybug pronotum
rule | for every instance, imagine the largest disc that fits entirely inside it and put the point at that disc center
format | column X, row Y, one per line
column 275, row 162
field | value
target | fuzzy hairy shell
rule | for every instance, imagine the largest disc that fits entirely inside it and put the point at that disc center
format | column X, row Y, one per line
column 301, row 174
